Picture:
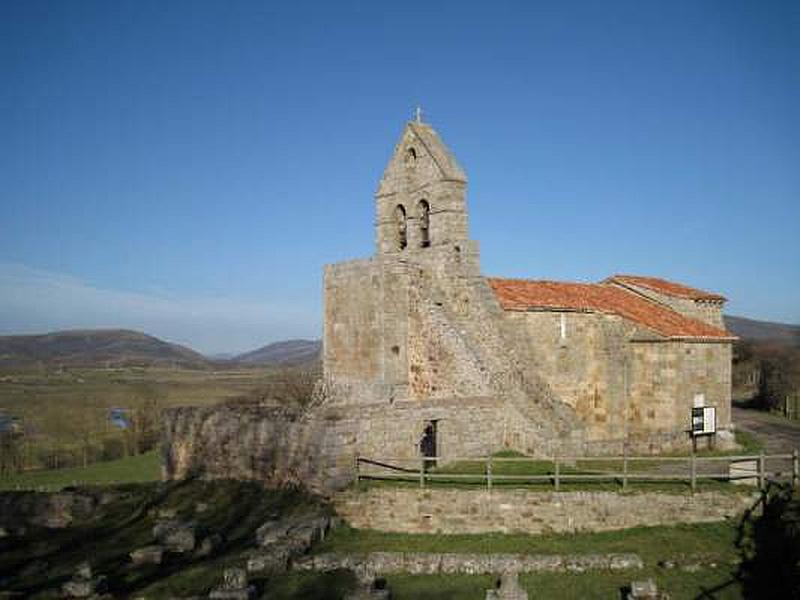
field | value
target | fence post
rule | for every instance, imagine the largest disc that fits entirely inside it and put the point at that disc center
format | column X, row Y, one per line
column 422, row 472
column 761, row 473
column 625, row 468
column 693, row 471
column 489, row 471
column 558, row 483
column 795, row 468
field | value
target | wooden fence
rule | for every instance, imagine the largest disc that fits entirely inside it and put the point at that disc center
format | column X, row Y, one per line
column 747, row 468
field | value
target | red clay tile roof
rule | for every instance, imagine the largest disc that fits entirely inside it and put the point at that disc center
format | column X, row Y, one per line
column 525, row 294
column 665, row 287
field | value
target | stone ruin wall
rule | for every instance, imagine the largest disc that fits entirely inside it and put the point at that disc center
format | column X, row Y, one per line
column 275, row 446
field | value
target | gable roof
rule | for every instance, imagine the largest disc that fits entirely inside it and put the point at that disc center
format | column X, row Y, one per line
column 526, row 294
column 663, row 286
column 427, row 143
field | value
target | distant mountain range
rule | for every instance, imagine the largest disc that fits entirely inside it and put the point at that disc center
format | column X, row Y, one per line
column 293, row 352
column 763, row 331
column 96, row 347
column 122, row 347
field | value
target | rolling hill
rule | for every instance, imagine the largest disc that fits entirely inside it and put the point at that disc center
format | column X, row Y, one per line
column 289, row 352
column 763, row 331
column 96, row 347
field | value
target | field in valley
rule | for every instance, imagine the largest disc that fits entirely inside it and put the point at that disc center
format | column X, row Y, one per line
column 64, row 413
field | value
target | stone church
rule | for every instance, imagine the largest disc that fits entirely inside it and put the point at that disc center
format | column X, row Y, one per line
column 428, row 356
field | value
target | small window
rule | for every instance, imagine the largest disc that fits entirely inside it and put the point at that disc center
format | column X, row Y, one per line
column 424, row 210
column 411, row 157
column 400, row 223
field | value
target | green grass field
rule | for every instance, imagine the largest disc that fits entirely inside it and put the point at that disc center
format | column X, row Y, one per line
column 651, row 543
column 718, row 583
column 714, row 542
column 134, row 469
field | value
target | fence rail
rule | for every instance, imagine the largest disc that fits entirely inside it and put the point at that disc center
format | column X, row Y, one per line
column 748, row 468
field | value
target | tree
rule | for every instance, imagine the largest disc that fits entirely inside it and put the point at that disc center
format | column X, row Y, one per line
column 145, row 418
column 292, row 387
column 11, row 457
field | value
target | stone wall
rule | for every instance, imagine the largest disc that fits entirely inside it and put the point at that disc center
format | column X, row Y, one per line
column 623, row 382
column 318, row 449
column 666, row 376
column 520, row 511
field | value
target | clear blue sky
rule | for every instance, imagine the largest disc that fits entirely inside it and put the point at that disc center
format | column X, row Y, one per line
column 186, row 168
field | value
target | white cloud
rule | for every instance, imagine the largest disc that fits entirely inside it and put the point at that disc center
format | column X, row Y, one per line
column 35, row 301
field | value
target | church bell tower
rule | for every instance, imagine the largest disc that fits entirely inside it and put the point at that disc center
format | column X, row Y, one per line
column 420, row 202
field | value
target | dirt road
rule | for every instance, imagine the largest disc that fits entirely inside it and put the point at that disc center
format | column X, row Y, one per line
column 777, row 434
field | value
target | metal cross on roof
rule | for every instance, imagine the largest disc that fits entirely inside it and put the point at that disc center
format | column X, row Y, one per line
column 418, row 114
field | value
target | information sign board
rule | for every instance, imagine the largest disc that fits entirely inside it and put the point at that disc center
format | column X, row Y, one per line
column 704, row 420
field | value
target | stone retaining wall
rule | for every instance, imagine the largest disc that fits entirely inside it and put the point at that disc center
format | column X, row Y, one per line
column 522, row 511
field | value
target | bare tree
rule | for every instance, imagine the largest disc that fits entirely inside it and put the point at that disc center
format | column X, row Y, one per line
column 291, row 387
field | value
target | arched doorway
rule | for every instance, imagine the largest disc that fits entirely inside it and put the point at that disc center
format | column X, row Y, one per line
column 428, row 443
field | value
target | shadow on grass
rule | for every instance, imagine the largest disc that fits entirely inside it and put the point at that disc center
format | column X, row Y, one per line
column 233, row 510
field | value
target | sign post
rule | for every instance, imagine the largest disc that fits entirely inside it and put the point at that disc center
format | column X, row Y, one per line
column 704, row 422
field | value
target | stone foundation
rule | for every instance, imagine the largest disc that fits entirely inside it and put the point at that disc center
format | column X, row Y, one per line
column 431, row 563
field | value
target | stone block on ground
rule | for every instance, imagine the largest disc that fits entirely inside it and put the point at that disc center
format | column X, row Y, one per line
column 645, row 590
column 369, row 588
column 175, row 535
column 234, row 586
column 271, row 560
column 148, row 555
column 508, row 588
column 272, row 531
column 208, row 546
column 83, row 584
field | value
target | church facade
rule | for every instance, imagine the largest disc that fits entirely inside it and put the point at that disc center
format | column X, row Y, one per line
column 425, row 355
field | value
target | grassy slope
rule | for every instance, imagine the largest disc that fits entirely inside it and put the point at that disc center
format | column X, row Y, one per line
column 233, row 510
column 135, row 469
